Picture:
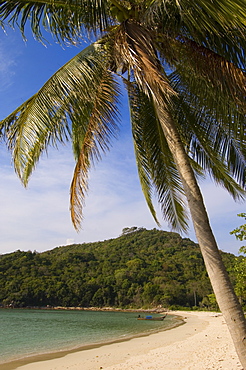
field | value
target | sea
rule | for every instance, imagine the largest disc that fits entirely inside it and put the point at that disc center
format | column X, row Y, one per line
column 29, row 332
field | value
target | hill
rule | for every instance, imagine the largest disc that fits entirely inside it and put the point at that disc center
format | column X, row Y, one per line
column 140, row 268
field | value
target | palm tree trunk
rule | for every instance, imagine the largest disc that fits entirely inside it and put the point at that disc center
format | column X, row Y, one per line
column 141, row 54
column 226, row 298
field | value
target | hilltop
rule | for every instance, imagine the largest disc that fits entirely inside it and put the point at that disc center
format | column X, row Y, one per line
column 140, row 268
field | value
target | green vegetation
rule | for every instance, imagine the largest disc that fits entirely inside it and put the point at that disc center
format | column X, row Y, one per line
column 141, row 268
column 240, row 232
column 240, row 265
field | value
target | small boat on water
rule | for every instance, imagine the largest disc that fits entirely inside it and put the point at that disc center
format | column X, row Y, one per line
column 153, row 318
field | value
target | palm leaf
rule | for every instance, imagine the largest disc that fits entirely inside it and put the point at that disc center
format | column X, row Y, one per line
column 212, row 103
column 64, row 19
column 197, row 64
column 211, row 146
column 213, row 14
column 218, row 106
column 90, row 139
column 45, row 118
column 155, row 163
column 133, row 50
column 220, row 28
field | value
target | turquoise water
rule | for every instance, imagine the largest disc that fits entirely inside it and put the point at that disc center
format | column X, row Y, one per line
column 29, row 332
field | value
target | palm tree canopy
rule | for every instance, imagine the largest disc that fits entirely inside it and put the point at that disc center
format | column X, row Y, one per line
column 188, row 55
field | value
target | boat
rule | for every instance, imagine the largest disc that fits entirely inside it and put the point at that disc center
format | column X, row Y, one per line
column 153, row 318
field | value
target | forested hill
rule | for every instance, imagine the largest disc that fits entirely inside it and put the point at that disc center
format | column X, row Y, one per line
column 141, row 268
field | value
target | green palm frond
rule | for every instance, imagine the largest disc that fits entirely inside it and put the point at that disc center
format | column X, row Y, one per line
column 142, row 161
column 213, row 102
column 210, row 145
column 91, row 138
column 64, row 19
column 155, row 163
column 209, row 75
column 220, row 28
column 228, row 44
column 209, row 81
column 45, row 118
column 216, row 97
column 213, row 14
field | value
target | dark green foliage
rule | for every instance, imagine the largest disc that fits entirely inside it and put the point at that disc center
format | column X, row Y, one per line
column 142, row 268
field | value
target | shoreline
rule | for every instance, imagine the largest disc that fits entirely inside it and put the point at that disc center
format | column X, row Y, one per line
column 203, row 343
column 75, row 308
column 14, row 364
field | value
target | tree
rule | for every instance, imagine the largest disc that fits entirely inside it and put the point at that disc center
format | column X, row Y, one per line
column 240, row 265
column 182, row 63
column 240, row 232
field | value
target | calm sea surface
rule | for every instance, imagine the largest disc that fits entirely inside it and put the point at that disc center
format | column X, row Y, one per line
column 29, row 332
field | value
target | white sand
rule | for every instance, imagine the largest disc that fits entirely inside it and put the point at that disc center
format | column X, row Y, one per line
column 202, row 343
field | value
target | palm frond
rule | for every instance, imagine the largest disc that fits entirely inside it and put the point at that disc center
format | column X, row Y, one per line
column 219, row 27
column 63, row 19
column 214, row 15
column 223, row 101
column 155, row 163
column 91, row 138
column 210, row 145
column 216, row 86
column 197, row 64
column 133, row 48
column 45, row 118
column 142, row 161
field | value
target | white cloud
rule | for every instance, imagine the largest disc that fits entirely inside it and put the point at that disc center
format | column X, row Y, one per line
column 37, row 218
column 69, row 241
column 8, row 61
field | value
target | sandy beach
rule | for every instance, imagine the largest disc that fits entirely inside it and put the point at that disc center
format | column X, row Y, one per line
column 202, row 343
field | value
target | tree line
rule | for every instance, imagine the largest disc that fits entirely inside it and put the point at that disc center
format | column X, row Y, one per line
column 141, row 268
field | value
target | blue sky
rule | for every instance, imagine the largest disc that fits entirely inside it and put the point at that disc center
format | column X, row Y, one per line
column 37, row 218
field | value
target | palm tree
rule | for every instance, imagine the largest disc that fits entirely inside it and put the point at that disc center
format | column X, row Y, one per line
column 182, row 64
